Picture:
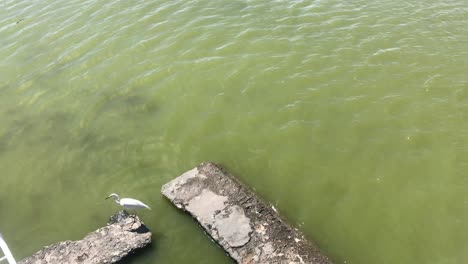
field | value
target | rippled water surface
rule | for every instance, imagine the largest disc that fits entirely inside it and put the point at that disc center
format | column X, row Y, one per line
column 351, row 117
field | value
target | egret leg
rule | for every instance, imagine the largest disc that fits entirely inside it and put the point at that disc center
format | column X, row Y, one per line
column 134, row 219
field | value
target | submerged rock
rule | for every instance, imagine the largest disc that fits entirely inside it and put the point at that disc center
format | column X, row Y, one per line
column 247, row 228
column 123, row 236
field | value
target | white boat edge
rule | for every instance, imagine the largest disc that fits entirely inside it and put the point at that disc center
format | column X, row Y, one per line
column 6, row 251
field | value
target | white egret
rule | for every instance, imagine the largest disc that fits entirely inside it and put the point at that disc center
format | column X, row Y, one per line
column 128, row 203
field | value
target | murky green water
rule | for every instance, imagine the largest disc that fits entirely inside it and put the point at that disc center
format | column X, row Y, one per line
column 351, row 117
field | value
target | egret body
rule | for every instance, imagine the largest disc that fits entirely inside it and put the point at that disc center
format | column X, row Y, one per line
column 128, row 203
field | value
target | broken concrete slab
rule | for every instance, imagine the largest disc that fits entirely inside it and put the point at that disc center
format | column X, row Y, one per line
column 123, row 236
column 246, row 227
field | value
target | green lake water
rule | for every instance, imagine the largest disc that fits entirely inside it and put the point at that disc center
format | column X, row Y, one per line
column 350, row 117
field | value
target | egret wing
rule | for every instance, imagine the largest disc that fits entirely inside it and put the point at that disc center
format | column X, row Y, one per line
column 131, row 203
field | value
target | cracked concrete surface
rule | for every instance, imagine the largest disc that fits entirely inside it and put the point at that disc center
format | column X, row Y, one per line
column 123, row 236
column 247, row 228
column 229, row 223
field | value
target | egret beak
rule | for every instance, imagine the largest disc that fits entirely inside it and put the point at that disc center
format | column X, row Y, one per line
column 107, row 197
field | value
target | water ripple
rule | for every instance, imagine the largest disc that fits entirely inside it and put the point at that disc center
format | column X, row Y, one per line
column 359, row 90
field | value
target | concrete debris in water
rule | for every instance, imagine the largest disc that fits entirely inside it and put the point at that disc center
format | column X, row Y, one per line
column 123, row 236
column 246, row 227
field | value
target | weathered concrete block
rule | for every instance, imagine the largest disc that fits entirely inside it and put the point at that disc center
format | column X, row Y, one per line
column 121, row 237
column 246, row 227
